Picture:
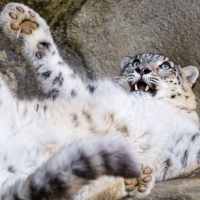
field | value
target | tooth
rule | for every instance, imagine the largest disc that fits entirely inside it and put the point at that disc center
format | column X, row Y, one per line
column 136, row 88
column 147, row 88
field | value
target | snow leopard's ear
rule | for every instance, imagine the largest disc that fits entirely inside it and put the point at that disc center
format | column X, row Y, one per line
column 125, row 62
column 191, row 73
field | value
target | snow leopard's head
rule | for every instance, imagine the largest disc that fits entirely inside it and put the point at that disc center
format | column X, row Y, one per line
column 159, row 77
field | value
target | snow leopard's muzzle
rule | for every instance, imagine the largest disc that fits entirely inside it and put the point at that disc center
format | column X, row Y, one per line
column 144, row 82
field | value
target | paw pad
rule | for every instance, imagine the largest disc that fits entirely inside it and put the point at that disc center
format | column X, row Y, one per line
column 13, row 15
column 147, row 170
column 130, row 184
column 31, row 14
column 139, row 185
column 147, row 179
column 26, row 31
column 15, row 27
column 20, row 9
column 142, row 189
column 26, row 26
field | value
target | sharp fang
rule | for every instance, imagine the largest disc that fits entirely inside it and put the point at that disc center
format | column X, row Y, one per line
column 147, row 88
column 136, row 88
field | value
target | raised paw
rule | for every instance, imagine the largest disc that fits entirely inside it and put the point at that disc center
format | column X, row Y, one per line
column 29, row 31
column 18, row 20
column 142, row 186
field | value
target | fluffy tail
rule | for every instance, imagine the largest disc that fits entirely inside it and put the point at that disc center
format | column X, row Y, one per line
column 74, row 166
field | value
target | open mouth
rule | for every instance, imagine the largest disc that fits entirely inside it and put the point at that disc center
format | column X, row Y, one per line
column 142, row 86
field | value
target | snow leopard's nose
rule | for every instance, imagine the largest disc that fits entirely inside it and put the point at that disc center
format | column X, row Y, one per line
column 142, row 70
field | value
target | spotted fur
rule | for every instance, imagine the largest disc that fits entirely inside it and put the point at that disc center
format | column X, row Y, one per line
column 161, row 126
column 74, row 166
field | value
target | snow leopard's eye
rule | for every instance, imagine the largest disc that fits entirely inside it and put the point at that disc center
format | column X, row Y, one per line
column 136, row 62
column 165, row 66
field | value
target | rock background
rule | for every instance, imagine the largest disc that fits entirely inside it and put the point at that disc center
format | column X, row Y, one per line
column 93, row 36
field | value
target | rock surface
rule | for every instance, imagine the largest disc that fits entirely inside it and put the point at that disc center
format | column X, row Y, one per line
column 94, row 36
column 105, row 31
column 178, row 189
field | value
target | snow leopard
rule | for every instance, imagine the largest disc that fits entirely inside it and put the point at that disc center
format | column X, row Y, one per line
column 51, row 148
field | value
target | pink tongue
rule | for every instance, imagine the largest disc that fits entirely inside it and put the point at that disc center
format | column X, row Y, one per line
column 141, row 86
